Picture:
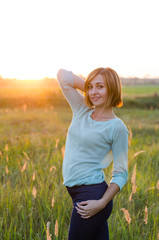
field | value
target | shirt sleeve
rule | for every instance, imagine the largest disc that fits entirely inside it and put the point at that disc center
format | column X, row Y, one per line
column 72, row 95
column 120, row 155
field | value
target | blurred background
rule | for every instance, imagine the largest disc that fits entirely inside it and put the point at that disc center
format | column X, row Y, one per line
column 38, row 37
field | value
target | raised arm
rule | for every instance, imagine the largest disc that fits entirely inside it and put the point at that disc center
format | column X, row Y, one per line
column 69, row 84
column 78, row 82
column 68, row 76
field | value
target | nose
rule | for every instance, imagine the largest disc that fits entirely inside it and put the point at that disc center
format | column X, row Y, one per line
column 93, row 90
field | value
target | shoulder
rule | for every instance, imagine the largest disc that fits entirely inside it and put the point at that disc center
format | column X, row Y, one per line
column 119, row 127
column 119, row 134
column 82, row 109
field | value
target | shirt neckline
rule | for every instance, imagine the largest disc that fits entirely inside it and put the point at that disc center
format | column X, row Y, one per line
column 92, row 120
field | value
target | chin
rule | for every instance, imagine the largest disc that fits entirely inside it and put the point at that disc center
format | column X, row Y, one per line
column 98, row 104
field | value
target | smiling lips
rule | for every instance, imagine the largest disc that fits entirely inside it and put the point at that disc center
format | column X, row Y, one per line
column 95, row 98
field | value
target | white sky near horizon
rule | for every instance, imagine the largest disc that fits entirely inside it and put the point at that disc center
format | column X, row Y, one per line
column 37, row 37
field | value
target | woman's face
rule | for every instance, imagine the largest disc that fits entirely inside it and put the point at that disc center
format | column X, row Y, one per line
column 97, row 91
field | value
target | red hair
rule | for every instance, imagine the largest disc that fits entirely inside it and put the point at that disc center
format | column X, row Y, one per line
column 112, row 83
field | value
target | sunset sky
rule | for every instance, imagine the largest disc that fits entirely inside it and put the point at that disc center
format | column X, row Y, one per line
column 37, row 37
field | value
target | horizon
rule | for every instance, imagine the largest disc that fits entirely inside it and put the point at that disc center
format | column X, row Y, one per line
column 55, row 78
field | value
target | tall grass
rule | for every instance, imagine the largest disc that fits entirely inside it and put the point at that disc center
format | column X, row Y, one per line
column 34, row 204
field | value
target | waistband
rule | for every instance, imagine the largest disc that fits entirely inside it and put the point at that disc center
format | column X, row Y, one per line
column 88, row 185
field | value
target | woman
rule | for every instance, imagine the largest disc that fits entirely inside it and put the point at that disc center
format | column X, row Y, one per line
column 95, row 137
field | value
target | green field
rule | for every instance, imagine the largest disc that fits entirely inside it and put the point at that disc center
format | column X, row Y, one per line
column 33, row 127
column 146, row 97
column 140, row 90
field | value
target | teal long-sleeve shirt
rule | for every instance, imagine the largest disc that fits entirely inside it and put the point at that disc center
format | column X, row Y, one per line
column 91, row 145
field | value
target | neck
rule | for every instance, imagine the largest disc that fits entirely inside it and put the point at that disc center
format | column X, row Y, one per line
column 106, row 113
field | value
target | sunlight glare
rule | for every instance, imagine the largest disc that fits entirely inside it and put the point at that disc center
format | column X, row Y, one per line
column 39, row 37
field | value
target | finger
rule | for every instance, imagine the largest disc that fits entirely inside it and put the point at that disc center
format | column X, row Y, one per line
column 81, row 210
column 86, row 217
column 82, row 203
column 81, row 207
column 83, row 215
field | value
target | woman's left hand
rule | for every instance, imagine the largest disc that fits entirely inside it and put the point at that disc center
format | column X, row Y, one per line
column 89, row 208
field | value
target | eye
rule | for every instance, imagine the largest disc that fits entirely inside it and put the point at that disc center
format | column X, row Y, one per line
column 100, row 86
column 89, row 86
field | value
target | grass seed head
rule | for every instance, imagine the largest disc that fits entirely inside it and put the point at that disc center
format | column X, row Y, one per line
column 137, row 153
column 52, row 202
column 53, row 167
column 56, row 228
column 48, row 233
column 24, row 166
column 156, row 127
column 7, row 171
column 26, row 156
column 146, row 215
column 6, row 148
column 133, row 180
column 33, row 176
column 1, row 154
column 63, row 151
column 34, row 192
column 150, row 188
column 57, row 142
column 130, row 198
column 127, row 215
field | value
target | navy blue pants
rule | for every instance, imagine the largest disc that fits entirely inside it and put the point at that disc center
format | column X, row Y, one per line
column 95, row 227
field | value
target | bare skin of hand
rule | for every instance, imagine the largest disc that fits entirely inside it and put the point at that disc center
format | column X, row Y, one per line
column 89, row 208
